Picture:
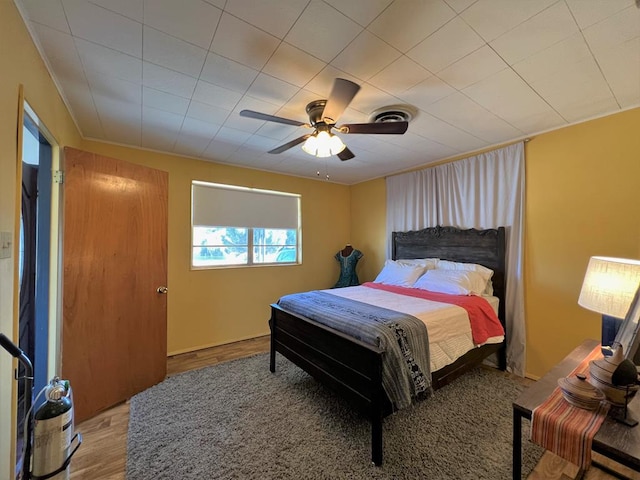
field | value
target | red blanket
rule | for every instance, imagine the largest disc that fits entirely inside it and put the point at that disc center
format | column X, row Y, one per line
column 483, row 319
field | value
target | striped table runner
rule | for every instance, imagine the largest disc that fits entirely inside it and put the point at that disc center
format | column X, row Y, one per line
column 567, row 430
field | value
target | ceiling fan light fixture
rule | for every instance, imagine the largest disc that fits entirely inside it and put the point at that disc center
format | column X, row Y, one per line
column 323, row 144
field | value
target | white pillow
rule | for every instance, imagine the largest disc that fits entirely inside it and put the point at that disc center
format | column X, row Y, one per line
column 486, row 273
column 427, row 263
column 454, row 282
column 394, row 273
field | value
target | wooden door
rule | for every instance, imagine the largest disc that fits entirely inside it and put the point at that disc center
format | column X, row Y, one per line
column 114, row 330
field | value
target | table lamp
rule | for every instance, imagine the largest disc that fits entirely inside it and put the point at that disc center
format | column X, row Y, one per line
column 608, row 288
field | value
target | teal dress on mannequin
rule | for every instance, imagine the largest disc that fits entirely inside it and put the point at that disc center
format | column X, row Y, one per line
column 348, row 261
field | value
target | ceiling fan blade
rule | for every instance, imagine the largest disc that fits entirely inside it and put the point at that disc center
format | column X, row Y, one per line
column 290, row 144
column 341, row 95
column 270, row 118
column 346, row 154
column 380, row 128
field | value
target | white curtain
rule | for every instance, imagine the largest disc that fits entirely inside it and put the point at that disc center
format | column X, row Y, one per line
column 485, row 191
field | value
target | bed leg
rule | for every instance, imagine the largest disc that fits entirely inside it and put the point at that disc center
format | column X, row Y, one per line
column 272, row 350
column 376, row 440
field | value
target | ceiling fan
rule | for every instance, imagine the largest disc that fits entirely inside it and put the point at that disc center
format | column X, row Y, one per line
column 323, row 115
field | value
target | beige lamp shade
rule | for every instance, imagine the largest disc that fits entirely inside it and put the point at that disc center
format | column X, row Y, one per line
column 609, row 285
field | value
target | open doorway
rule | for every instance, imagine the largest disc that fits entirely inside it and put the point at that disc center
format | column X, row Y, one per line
column 34, row 262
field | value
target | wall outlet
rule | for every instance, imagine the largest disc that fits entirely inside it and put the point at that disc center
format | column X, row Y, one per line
column 6, row 244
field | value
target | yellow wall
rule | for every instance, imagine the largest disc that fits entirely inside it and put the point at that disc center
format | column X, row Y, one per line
column 205, row 307
column 212, row 307
column 20, row 63
column 581, row 200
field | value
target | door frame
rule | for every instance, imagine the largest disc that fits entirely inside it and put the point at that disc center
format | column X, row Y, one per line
column 54, row 249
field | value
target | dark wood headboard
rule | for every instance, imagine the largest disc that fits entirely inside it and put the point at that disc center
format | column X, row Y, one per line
column 484, row 247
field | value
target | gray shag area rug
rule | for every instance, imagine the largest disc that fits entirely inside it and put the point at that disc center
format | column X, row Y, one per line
column 237, row 420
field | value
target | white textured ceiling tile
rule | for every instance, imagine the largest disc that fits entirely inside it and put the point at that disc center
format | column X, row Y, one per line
column 508, row 96
column 121, row 121
column 199, row 128
column 588, row 12
column 244, row 124
column 370, row 98
column 243, row 42
column 164, row 101
column 467, row 115
column 161, row 123
column 98, row 25
column 261, row 143
column 252, row 125
column 445, row 133
column 492, row 18
column 578, row 91
column 427, row 92
column 257, row 105
column 579, row 109
column 540, row 120
column 232, row 135
column 407, row 22
column 187, row 146
column 444, row 47
column 216, row 96
column 159, row 129
column 219, row 150
column 275, row 18
column 322, row 31
column 401, row 75
column 207, row 113
column 114, row 88
column 48, row 13
column 129, row 8
column 84, row 112
column 553, row 59
column 476, row 66
column 167, row 80
column 217, row 3
column 108, row 61
column 158, row 139
column 621, row 68
column 562, row 75
column 279, row 131
column 428, row 148
column 173, row 53
column 193, row 21
column 125, row 131
column 271, row 89
column 365, row 56
column 460, row 5
column 615, row 30
column 322, row 83
column 295, row 108
column 361, row 11
column 293, row 65
column 538, row 33
column 194, row 137
column 227, row 73
column 59, row 48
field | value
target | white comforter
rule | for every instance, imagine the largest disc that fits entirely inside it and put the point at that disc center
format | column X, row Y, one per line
column 448, row 325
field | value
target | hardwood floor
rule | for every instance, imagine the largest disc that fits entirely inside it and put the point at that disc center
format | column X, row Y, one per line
column 102, row 455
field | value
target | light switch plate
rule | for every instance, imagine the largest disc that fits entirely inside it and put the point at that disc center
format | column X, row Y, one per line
column 6, row 242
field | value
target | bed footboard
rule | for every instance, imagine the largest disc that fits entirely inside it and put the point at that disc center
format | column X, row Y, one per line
column 348, row 366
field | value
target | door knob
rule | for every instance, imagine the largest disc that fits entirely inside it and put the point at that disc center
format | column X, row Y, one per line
column 162, row 289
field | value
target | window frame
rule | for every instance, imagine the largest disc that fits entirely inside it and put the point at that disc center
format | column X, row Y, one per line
column 249, row 229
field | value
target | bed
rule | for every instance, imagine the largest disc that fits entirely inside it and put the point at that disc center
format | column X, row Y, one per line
column 354, row 368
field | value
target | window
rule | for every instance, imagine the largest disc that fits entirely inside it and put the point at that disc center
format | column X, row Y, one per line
column 237, row 226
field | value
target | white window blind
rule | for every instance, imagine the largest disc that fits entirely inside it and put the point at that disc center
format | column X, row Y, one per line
column 232, row 206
